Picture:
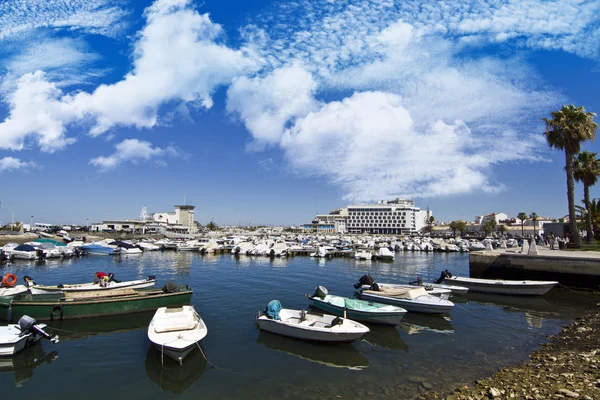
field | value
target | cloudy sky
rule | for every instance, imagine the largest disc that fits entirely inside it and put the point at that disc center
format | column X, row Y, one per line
column 267, row 112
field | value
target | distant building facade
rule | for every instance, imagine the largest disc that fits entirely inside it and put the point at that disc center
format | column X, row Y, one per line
column 179, row 221
column 395, row 217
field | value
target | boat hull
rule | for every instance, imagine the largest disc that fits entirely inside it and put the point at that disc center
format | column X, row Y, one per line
column 386, row 318
column 305, row 332
column 140, row 284
column 497, row 286
column 52, row 307
column 440, row 307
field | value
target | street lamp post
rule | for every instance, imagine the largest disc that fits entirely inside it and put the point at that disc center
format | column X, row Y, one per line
column 31, row 223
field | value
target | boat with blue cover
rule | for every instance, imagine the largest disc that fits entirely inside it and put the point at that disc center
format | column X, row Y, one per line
column 95, row 248
column 359, row 310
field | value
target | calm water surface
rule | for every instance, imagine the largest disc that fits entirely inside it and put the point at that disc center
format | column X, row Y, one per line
column 104, row 358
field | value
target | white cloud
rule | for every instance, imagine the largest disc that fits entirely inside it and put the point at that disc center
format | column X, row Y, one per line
column 267, row 104
column 133, row 150
column 423, row 121
column 177, row 58
column 66, row 61
column 13, row 164
column 90, row 16
column 35, row 111
column 371, row 146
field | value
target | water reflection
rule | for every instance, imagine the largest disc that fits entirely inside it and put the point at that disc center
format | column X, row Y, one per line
column 415, row 323
column 171, row 376
column 86, row 327
column 23, row 363
column 512, row 303
column 386, row 336
column 336, row 355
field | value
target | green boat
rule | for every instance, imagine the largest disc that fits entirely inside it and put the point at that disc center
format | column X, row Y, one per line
column 70, row 305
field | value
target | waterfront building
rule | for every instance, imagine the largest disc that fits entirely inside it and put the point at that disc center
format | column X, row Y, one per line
column 180, row 221
column 395, row 217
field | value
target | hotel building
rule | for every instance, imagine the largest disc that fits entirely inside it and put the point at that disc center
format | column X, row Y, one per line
column 395, row 217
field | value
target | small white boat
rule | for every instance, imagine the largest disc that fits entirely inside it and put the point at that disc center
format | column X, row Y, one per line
column 305, row 325
column 17, row 337
column 188, row 246
column 145, row 246
column 358, row 310
column 455, row 290
column 363, row 255
column 385, row 254
column 415, row 299
column 175, row 332
column 91, row 287
column 499, row 286
column 366, row 282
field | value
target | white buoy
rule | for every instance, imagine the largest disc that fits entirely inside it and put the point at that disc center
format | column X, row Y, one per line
column 525, row 248
column 488, row 246
column 533, row 248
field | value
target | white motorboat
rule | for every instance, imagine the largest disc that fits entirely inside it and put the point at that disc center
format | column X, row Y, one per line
column 363, row 255
column 366, row 282
column 385, row 254
column 415, row 299
column 16, row 337
column 175, row 332
column 500, row 286
column 305, row 325
column 242, row 248
column 91, row 287
column 358, row 310
column 25, row 252
column 455, row 290
column 188, row 246
column 145, row 246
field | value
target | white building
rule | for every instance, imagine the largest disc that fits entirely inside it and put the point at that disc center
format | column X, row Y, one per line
column 494, row 216
column 179, row 221
column 394, row 217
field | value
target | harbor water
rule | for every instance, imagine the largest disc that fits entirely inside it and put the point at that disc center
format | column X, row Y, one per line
column 112, row 357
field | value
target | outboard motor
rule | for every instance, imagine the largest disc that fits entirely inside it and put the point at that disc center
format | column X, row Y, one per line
column 28, row 281
column 170, row 287
column 320, row 292
column 28, row 325
column 445, row 274
column 364, row 280
column 273, row 309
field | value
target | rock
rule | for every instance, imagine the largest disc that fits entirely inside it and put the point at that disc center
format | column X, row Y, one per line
column 568, row 393
column 493, row 392
column 427, row 385
column 416, row 379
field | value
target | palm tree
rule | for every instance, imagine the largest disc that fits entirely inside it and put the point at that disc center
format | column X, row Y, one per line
column 430, row 221
column 522, row 217
column 567, row 128
column 502, row 229
column 586, row 170
column 211, row 226
column 534, row 218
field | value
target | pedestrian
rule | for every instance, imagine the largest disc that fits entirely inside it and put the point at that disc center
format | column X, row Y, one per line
column 552, row 241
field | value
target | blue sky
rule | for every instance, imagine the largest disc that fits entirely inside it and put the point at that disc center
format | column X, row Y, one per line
column 267, row 112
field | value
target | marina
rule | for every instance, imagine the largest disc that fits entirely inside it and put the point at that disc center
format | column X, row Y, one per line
column 463, row 345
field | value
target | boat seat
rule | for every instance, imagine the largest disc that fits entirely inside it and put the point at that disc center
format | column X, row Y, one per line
column 183, row 323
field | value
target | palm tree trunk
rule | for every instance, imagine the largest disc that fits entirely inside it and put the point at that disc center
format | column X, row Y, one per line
column 588, row 215
column 574, row 235
column 522, row 229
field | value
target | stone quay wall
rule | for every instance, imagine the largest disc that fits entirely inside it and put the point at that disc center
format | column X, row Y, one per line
column 575, row 270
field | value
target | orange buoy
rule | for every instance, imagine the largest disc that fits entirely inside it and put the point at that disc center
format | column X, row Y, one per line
column 9, row 280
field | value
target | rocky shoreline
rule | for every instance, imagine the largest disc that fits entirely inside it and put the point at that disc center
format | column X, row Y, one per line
column 566, row 367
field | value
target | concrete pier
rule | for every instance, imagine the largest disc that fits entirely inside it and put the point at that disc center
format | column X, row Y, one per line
column 571, row 268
